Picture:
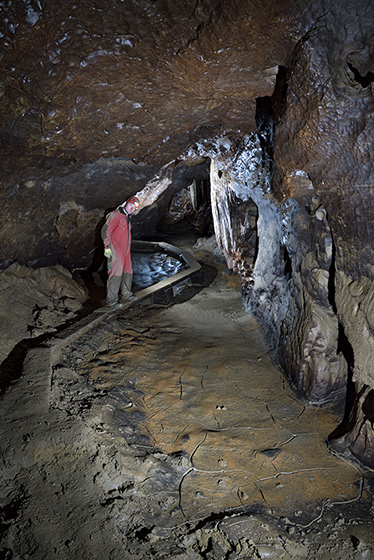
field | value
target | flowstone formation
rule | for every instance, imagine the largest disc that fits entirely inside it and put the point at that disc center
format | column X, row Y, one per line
column 101, row 101
column 308, row 170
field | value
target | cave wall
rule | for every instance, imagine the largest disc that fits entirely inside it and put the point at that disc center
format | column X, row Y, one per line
column 312, row 283
column 50, row 216
column 328, row 130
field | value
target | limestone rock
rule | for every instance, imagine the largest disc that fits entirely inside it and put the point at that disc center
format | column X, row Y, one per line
column 35, row 302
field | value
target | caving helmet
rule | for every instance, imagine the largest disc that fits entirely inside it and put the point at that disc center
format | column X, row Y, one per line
column 132, row 200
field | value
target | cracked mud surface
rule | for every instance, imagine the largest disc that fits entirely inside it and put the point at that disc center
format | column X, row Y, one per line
column 169, row 433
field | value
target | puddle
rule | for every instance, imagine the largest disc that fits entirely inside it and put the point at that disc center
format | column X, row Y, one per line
column 150, row 268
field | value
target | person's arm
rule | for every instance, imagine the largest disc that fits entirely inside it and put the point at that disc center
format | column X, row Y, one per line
column 109, row 227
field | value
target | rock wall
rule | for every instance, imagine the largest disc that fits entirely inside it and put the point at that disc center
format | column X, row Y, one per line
column 50, row 216
column 309, row 171
column 326, row 131
column 287, row 283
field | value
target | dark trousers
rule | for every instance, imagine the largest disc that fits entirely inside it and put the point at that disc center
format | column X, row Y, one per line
column 119, row 285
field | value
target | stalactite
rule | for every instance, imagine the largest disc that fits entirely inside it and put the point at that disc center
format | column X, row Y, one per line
column 193, row 194
column 221, row 201
column 234, row 225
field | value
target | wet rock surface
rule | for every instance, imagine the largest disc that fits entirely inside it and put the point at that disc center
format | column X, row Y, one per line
column 134, row 80
column 169, row 433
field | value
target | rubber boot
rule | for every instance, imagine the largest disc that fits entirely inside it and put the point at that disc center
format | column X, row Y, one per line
column 112, row 289
column 126, row 283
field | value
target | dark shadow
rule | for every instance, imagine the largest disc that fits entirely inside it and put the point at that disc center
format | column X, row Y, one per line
column 344, row 347
column 95, row 276
column 279, row 97
column 95, row 286
column 8, row 515
column 348, row 421
column 209, row 273
column 12, row 367
column 364, row 81
column 265, row 126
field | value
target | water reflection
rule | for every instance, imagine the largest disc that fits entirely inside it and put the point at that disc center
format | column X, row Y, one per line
column 150, row 268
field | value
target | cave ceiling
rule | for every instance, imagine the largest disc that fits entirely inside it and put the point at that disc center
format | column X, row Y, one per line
column 140, row 80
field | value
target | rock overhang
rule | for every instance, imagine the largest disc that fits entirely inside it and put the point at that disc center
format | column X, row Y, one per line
column 140, row 80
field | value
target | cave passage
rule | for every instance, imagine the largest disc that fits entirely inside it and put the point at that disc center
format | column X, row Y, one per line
column 161, row 422
column 195, row 382
column 247, row 126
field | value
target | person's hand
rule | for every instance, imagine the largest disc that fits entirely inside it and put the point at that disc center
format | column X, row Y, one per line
column 108, row 252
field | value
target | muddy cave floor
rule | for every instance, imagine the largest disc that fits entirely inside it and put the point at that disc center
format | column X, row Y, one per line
column 168, row 432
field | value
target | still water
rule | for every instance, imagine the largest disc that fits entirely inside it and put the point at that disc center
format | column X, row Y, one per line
column 150, row 268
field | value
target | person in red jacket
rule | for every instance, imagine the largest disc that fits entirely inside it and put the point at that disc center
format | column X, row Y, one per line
column 116, row 234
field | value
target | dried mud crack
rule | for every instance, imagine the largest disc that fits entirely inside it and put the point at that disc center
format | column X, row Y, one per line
column 169, row 433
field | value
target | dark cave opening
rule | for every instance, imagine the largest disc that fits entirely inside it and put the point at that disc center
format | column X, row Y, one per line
column 287, row 262
column 279, row 97
column 270, row 109
column 344, row 347
column 264, row 122
column 188, row 212
column 365, row 81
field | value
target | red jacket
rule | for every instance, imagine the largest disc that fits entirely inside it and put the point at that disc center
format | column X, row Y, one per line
column 116, row 234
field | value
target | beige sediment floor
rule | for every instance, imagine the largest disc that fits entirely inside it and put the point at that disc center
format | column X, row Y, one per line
column 206, row 388
column 169, row 433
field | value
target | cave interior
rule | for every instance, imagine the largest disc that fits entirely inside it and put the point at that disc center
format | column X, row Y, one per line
column 245, row 127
